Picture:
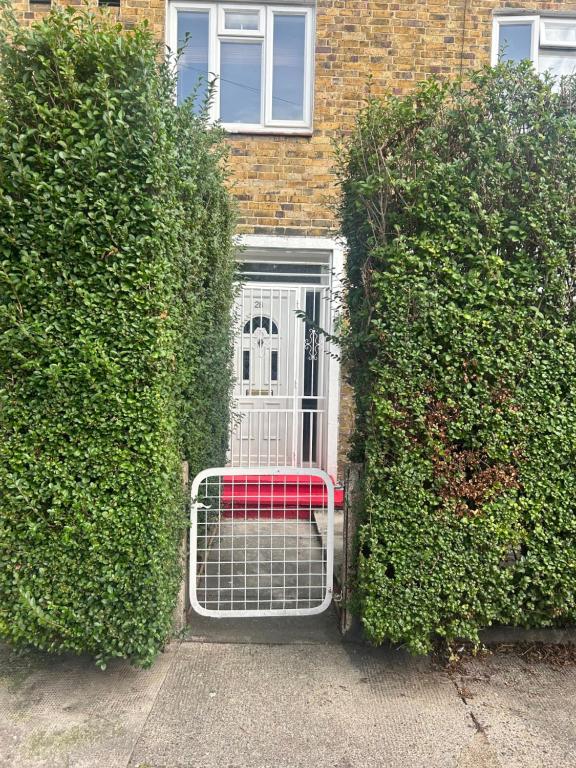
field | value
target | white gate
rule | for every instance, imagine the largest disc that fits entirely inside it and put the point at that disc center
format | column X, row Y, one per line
column 281, row 374
column 256, row 548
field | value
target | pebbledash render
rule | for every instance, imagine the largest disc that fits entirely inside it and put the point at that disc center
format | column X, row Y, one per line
column 290, row 77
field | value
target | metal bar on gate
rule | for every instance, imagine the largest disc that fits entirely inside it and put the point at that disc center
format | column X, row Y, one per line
column 296, row 391
column 289, row 374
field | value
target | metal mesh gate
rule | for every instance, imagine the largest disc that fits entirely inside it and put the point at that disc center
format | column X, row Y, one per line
column 256, row 548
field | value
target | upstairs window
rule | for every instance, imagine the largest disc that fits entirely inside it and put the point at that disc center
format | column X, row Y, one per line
column 549, row 42
column 260, row 58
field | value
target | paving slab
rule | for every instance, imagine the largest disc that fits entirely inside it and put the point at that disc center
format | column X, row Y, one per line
column 268, row 563
column 527, row 711
column 241, row 706
column 285, row 705
column 64, row 712
column 321, row 629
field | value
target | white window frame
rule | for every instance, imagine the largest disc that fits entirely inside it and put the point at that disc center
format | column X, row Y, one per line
column 265, row 36
column 172, row 34
column 222, row 31
column 519, row 19
column 229, row 38
column 552, row 44
column 308, row 65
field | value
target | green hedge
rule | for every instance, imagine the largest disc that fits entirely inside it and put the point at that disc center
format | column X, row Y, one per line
column 460, row 215
column 115, row 293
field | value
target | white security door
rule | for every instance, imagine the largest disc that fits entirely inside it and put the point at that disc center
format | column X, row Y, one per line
column 265, row 375
column 279, row 366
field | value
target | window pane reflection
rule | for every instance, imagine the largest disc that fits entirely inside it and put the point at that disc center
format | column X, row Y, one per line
column 288, row 67
column 243, row 20
column 240, row 82
column 193, row 64
column 515, row 42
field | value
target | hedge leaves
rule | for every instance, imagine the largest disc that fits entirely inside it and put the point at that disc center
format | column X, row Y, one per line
column 460, row 213
column 115, row 290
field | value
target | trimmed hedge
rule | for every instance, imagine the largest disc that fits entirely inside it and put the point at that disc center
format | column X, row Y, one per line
column 460, row 215
column 115, row 294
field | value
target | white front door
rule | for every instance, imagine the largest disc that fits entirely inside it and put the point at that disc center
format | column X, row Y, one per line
column 280, row 373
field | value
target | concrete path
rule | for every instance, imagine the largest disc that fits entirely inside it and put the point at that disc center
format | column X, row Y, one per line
column 273, row 701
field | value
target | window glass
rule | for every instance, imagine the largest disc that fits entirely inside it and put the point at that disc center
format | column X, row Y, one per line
column 284, row 272
column 240, row 81
column 193, row 29
column 242, row 20
column 557, row 33
column 557, row 63
column 261, row 321
column 288, row 67
column 515, row 42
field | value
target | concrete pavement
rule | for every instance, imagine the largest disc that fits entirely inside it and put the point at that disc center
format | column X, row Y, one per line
column 258, row 695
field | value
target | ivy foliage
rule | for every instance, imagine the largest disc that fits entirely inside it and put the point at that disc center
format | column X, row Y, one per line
column 460, row 215
column 115, row 293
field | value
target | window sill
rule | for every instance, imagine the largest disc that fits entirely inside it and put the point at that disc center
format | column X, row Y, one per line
column 258, row 130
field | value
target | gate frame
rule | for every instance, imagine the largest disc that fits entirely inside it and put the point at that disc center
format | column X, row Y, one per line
column 193, row 559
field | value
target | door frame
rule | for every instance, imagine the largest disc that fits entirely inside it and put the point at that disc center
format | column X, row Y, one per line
column 279, row 248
